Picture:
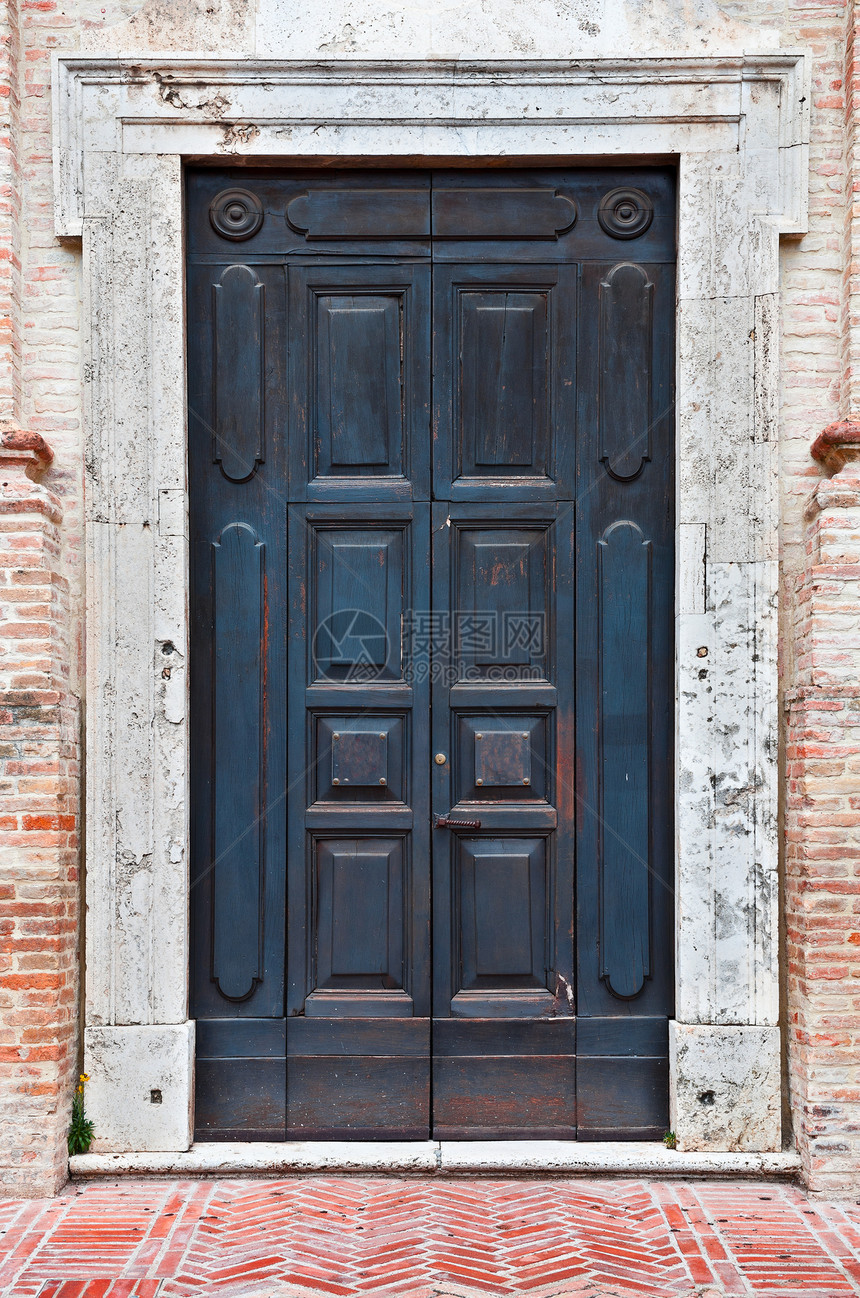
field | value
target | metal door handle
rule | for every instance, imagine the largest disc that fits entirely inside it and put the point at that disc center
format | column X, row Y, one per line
column 444, row 822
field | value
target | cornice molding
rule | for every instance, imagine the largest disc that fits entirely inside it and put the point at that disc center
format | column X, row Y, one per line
column 261, row 109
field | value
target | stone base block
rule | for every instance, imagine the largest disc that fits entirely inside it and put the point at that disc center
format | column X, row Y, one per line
column 26, row 1183
column 725, row 1087
column 140, row 1092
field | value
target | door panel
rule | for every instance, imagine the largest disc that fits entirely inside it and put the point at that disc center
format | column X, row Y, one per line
column 327, row 210
column 431, row 459
column 359, row 929
column 503, row 944
column 483, row 212
column 503, row 358
column 504, row 366
column 360, row 381
column 238, row 397
column 356, row 577
column 624, row 582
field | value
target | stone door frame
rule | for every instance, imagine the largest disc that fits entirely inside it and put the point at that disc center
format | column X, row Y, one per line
column 738, row 129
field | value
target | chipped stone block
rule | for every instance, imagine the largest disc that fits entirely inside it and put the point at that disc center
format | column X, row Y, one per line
column 140, row 1088
column 724, row 1087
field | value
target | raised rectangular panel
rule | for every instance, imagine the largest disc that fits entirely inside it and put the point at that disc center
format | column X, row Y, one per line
column 626, row 312
column 359, row 927
column 501, row 757
column 358, row 424
column 501, row 629
column 361, row 213
column 237, row 821
column 502, row 904
column 359, row 420
column 238, row 322
column 355, row 632
column 504, row 382
column 505, row 378
column 624, row 564
column 491, row 213
column 360, row 758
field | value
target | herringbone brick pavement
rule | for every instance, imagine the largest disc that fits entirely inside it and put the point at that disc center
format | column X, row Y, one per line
column 358, row 1237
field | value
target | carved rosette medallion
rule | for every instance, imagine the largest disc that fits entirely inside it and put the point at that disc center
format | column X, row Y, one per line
column 625, row 213
column 236, row 214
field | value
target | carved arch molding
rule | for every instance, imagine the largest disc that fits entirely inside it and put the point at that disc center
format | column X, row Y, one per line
column 738, row 128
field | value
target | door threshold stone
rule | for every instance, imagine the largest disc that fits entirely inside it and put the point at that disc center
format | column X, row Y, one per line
column 456, row 1158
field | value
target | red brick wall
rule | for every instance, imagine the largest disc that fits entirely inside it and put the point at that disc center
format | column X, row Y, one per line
column 821, row 546
column 823, row 834
column 38, row 836
column 39, row 624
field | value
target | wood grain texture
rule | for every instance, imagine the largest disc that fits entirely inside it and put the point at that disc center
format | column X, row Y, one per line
column 238, row 316
column 363, row 1097
column 482, row 213
column 626, row 326
column 625, row 688
column 238, row 557
column 624, row 564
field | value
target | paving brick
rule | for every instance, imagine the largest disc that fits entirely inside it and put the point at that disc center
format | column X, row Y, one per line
column 428, row 1238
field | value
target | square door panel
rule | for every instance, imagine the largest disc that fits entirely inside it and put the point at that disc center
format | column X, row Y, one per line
column 360, row 758
column 501, row 758
column 360, row 899
column 358, row 577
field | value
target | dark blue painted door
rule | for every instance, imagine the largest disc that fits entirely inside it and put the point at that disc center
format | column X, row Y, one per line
column 431, row 488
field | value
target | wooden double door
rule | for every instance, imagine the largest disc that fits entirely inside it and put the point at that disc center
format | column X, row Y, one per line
column 431, row 477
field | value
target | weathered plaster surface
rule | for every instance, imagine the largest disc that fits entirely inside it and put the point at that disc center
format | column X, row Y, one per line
column 492, row 29
column 725, row 1092
column 432, row 29
column 739, row 127
column 214, row 26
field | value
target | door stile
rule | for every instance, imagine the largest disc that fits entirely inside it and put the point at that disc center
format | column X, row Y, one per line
column 504, row 1028
column 625, row 699
column 237, row 465
column 358, row 1001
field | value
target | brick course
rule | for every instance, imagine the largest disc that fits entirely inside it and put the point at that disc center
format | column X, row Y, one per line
column 39, row 851
column 823, row 826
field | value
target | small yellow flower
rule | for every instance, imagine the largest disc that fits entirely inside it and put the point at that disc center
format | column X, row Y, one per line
column 85, row 1077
